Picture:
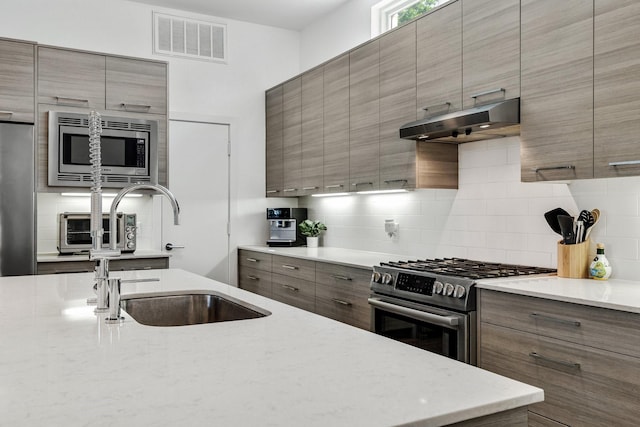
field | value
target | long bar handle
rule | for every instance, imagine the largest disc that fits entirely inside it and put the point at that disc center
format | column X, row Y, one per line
column 334, row 186
column 625, row 163
column 488, row 92
column 6, row 113
column 253, row 260
column 555, row 319
column 291, row 288
column 272, row 191
column 443, row 104
column 339, row 277
column 341, row 302
column 309, row 188
column 253, row 278
column 447, row 321
column 135, row 107
column 564, row 363
column 289, row 190
column 355, row 184
column 289, row 267
column 550, row 168
column 70, row 101
column 391, row 181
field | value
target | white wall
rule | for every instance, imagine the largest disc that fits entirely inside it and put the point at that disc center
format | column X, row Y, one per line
column 492, row 216
column 259, row 57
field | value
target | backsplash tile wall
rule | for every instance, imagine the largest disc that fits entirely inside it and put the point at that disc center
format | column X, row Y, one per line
column 51, row 204
column 492, row 216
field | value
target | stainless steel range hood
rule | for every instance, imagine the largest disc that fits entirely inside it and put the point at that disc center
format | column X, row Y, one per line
column 483, row 122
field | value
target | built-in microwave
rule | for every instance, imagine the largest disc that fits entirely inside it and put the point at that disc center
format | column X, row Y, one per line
column 128, row 150
column 74, row 232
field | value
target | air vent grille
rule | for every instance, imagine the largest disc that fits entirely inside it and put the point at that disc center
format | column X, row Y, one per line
column 189, row 38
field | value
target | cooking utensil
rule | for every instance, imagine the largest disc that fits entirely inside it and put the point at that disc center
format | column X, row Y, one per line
column 596, row 218
column 566, row 226
column 552, row 218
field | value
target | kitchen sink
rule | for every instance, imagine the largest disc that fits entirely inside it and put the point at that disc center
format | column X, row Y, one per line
column 183, row 308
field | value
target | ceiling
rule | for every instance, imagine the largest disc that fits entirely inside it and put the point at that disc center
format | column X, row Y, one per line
column 289, row 14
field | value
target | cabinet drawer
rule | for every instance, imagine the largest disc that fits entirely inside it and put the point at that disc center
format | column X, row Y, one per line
column 257, row 260
column 256, row 281
column 294, row 267
column 342, row 292
column 596, row 327
column 582, row 385
column 298, row 293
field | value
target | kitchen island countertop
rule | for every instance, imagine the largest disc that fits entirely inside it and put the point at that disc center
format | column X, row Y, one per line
column 60, row 364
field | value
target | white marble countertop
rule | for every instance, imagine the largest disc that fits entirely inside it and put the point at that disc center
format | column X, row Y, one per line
column 56, row 257
column 348, row 257
column 623, row 295
column 60, row 364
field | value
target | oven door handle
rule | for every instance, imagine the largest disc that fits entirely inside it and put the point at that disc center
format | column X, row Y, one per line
column 436, row 319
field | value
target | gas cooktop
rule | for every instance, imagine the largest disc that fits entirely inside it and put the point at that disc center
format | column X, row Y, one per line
column 460, row 267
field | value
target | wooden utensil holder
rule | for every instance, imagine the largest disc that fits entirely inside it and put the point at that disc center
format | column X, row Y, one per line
column 573, row 260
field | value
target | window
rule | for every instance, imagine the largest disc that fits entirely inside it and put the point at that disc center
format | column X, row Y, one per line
column 388, row 14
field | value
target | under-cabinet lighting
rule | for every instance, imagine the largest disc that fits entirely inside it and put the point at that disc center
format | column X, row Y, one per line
column 330, row 194
column 382, row 191
column 484, row 126
column 103, row 194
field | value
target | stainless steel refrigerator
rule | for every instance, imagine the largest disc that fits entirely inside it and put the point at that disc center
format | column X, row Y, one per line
column 17, row 200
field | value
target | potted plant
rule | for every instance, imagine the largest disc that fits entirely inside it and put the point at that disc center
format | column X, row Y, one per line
column 312, row 230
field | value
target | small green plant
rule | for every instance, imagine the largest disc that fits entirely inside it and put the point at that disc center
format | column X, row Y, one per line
column 311, row 228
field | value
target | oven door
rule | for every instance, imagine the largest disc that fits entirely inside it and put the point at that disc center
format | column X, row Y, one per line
column 440, row 331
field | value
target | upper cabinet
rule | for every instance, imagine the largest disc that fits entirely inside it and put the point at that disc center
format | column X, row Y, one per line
column 312, row 131
column 616, row 88
column 439, row 60
column 336, row 125
column 557, row 90
column 135, row 85
column 364, row 117
column 17, row 67
column 491, row 51
column 292, row 136
column 274, row 148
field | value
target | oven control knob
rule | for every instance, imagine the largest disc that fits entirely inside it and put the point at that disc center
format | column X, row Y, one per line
column 448, row 289
column 130, row 236
column 130, row 245
column 387, row 279
column 459, row 291
column 375, row 277
column 437, row 287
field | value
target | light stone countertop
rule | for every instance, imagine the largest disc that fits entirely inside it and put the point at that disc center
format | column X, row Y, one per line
column 60, row 364
column 56, row 257
column 623, row 295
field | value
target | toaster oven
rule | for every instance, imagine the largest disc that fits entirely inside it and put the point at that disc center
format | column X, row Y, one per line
column 74, row 232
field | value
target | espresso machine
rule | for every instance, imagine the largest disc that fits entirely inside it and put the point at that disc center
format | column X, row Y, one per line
column 283, row 226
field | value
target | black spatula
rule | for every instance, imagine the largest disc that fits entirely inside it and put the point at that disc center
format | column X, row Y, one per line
column 552, row 219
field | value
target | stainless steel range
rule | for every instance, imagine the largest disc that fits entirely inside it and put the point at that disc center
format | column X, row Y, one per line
column 431, row 304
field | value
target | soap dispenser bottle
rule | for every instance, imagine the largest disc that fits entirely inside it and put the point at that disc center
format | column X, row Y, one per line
column 600, row 269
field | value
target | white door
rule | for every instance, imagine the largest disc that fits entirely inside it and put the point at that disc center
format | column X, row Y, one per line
column 199, row 178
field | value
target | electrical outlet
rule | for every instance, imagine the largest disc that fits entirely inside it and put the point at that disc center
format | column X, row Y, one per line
column 391, row 227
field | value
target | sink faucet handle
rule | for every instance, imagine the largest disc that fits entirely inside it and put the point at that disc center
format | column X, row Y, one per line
column 114, row 301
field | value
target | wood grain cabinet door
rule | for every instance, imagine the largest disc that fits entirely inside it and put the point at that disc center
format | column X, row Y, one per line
column 256, row 281
column 557, row 90
column 274, row 147
column 490, row 51
column 616, row 88
column 439, row 60
column 397, row 107
column 312, row 132
column 336, row 125
column 70, row 78
column 364, row 117
column 134, row 85
column 17, row 90
column 292, row 137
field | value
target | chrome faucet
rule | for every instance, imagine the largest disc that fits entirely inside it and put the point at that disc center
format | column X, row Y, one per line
column 103, row 283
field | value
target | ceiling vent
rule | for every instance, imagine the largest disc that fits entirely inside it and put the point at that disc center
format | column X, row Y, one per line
column 189, row 38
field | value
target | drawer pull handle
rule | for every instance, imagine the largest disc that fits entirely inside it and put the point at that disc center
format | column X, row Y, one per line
column 70, row 101
column 309, row 188
column 252, row 260
column 135, row 107
column 291, row 288
column 487, row 92
column 356, row 184
column 553, row 168
column 341, row 302
column 443, row 104
column 289, row 267
column 625, row 163
column 393, row 181
column 272, row 191
column 571, row 365
column 336, row 276
column 334, row 186
column 6, row 113
column 555, row 319
column 289, row 190
column 253, row 278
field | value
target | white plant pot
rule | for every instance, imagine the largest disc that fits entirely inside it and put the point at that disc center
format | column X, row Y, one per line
column 312, row 242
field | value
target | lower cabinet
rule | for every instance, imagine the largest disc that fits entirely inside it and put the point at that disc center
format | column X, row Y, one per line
column 331, row 290
column 75, row 266
column 568, row 350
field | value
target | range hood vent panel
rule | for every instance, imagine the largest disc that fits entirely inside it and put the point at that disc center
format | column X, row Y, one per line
column 478, row 123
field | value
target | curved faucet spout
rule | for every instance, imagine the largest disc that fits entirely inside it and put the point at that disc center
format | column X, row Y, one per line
column 135, row 187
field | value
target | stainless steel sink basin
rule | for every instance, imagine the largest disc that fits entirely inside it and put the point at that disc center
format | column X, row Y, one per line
column 183, row 308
